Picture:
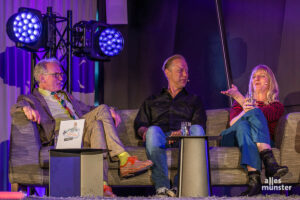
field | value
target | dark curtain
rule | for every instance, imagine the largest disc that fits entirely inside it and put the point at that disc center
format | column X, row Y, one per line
column 258, row 32
column 157, row 30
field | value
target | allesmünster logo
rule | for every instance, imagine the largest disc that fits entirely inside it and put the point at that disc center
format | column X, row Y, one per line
column 274, row 184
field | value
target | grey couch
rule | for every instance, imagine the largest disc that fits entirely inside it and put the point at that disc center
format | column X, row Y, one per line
column 29, row 161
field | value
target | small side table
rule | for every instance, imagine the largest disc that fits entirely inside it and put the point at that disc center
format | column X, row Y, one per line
column 194, row 168
column 76, row 172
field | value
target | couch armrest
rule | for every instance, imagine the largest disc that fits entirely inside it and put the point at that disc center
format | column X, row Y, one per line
column 24, row 166
column 288, row 140
column 45, row 156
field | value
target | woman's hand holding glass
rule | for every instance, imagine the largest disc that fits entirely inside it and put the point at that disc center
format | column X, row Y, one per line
column 249, row 103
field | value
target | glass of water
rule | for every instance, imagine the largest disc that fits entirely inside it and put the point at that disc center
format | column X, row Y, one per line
column 250, row 99
column 185, row 128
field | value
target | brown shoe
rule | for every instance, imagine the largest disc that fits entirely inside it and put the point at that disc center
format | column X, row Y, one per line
column 107, row 191
column 133, row 167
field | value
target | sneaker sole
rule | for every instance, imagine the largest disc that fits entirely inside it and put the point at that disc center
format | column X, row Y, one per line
column 280, row 173
column 171, row 193
column 141, row 171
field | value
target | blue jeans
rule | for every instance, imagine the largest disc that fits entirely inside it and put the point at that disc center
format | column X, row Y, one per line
column 156, row 151
column 250, row 129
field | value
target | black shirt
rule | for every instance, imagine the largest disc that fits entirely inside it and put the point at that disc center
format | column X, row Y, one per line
column 168, row 113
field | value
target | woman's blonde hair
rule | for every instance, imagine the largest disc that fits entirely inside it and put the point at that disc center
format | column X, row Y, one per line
column 273, row 93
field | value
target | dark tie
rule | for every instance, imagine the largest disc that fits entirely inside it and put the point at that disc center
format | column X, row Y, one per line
column 63, row 103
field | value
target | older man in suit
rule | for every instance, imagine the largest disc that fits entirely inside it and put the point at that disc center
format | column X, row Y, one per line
column 48, row 105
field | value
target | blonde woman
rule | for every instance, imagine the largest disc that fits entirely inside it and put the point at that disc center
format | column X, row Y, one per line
column 252, row 123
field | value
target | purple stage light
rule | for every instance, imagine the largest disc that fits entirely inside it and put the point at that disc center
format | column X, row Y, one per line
column 34, row 27
column 25, row 26
column 111, row 42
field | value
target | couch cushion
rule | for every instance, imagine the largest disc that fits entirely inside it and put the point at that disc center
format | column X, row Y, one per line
column 44, row 156
column 230, row 157
column 228, row 177
column 224, row 157
column 220, row 157
column 217, row 121
column 125, row 129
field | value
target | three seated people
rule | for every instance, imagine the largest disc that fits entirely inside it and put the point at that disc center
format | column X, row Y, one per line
column 252, row 123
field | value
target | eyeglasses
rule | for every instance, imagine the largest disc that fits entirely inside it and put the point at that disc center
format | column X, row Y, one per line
column 57, row 75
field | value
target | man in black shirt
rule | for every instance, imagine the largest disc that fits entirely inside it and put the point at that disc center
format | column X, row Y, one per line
column 161, row 115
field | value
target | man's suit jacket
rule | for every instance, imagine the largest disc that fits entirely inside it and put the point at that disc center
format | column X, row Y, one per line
column 47, row 124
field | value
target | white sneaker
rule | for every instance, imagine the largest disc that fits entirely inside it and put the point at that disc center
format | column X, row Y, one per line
column 172, row 192
column 165, row 192
column 161, row 192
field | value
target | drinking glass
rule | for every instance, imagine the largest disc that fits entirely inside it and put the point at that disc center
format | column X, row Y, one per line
column 250, row 99
column 185, row 128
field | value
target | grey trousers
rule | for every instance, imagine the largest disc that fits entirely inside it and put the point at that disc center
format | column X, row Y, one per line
column 100, row 132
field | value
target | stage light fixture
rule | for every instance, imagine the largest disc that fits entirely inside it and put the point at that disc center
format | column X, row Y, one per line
column 97, row 41
column 111, row 42
column 26, row 29
column 34, row 32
